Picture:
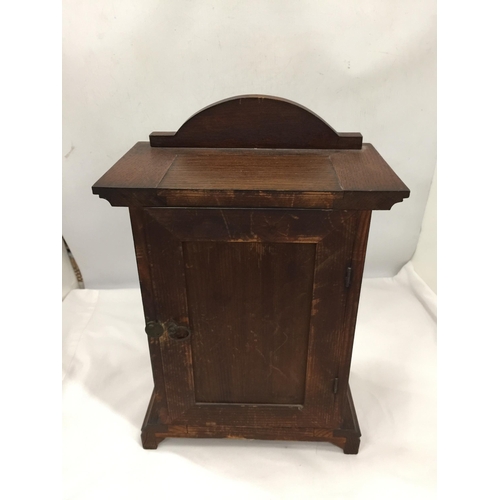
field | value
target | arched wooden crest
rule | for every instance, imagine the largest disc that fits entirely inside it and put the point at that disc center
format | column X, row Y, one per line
column 256, row 121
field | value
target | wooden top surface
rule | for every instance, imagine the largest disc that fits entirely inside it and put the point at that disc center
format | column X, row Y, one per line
column 238, row 170
column 263, row 178
column 253, row 151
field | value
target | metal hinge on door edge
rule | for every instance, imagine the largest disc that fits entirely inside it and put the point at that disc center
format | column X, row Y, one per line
column 335, row 385
column 348, row 275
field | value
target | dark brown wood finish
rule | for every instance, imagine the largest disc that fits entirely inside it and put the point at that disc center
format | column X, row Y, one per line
column 286, row 178
column 250, row 228
column 256, row 121
column 248, row 350
column 346, row 437
column 260, row 328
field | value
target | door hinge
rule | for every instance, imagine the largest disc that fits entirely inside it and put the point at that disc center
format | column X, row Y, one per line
column 348, row 275
column 335, row 385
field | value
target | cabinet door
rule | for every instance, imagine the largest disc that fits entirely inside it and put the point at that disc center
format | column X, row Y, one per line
column 254, row 307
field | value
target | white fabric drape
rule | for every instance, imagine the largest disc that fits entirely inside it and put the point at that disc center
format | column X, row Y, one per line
column 107, row 383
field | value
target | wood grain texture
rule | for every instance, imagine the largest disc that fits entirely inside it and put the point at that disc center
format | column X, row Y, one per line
column 170, row 301
column 193, row 240
column 256, row 121
column 150, row 308
column 347, row 331
column 328, row 311
column 365, row 170
column 250, row 228
column 253, row 151
column 246, row 199
column 252, row 178
column 141, row 167
column 224, row 170
column 195, row 276
column 240, row 225
column 347, row 437
column 246, row 349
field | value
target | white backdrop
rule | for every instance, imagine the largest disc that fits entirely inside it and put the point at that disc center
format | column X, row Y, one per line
column 132, row 67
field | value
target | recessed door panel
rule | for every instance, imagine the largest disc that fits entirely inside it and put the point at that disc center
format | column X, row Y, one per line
column 249, row 310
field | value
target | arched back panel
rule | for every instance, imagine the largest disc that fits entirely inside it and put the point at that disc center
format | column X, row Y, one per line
column 255, row 121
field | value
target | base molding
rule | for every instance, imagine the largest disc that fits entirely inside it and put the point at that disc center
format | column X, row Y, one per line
column 346, row 437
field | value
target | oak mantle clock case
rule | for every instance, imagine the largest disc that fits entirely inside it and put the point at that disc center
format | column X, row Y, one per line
column 250, row 227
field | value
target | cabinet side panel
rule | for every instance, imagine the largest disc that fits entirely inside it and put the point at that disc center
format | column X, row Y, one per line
column 249, row 307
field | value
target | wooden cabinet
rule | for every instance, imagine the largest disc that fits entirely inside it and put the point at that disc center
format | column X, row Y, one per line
column 250, row 227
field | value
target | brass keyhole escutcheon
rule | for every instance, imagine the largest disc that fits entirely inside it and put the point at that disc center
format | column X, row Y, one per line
column 177, row 332
column 154, row 329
